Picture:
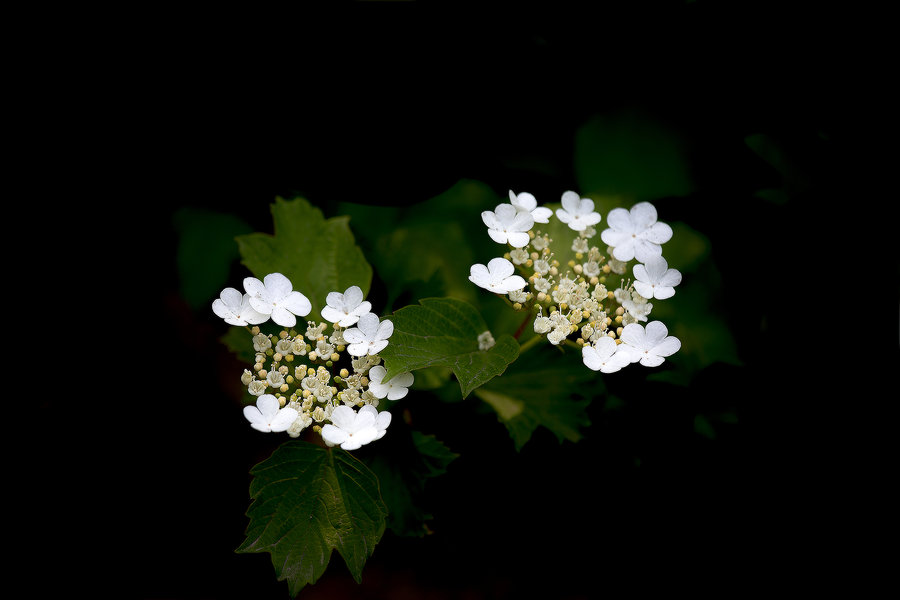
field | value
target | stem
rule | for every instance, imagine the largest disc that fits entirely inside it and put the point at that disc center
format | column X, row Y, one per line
column 522, row 325
column 531, row 343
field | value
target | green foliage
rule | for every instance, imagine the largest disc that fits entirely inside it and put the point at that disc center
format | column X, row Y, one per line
column 425, row 250
column 206, row 251
column 444, row 332
column 318, row 255
column 308, row 501
column 406, row 459
column 545, row 387
column 631, row 154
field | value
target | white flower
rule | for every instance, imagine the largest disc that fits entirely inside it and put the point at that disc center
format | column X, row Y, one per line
column 275, row 296
column 638, row 310
column 526, row 202
column 369, row 336
column 654, row 279
column 557, row 335
column 577, row 212
column 486, row 340
column 497, row 276
column 261, row 342
column 542, row 325
column 635, row 233
column 603, row 356
column 394, row 389
column 235, row 308
column 650, row 346
column 268, row 416
column 345, row 309
column 351, row 429
column 506, row 225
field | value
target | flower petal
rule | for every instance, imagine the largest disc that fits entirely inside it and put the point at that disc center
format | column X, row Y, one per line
column 268, row 405
column 297, row 303
column 277, row 285
column 506, row 213
column 541, row 214
column 570, row 202
column 490, row 219
column 658, row 233
column 518, row 239
column 334, row 435
column 283, row 316
column 499, row 268
column 619, row 219
column 368, row 325
column 352, row 298
column 332, row 314
column 523, row 201
column 498, row 236
column 376, row 347
column 344, row 417
column 284, row 419
column 643, row 215
column 563, row 215
column 511, row 283
column 385, row 329
column 655, row 332
column 376, row 374
column 667, row 347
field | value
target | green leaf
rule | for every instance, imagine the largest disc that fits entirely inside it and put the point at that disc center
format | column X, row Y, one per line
column 405, row 461
column 425, row 250
column 444, row 332
column 206, row 251
column 307, row 501
column 317, row 255
column 631, row 154
column 544, row 388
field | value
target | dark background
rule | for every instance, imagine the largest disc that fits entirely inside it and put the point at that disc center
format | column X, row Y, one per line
column 392, row 104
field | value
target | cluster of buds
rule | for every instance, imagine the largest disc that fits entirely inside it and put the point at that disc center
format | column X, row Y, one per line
column 328, row 376
column 589, row 298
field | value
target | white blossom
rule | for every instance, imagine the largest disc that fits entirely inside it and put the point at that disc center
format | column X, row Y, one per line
column 635, row 233
column 257, row 387
column 518, row 256
column 577, row 212
column 638, row 310
column 654, row 279
column 542, row 325
column 268, row 415
column 352, row 430
column 486, row 340
column 591, row 269
column 603, row 356
column 497, row 276
column 324, row 349
column 506, row 225
column 649, row 346
column 261, row 342
column 394, row 389
column 580, row 244
column 345, row 309
column 275, row 296
column 369, row 336
column 300, row 423
column 557, row 335
column 525, row 202
column 235, row 308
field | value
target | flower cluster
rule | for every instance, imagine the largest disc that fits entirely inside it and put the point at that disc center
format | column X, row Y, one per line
column 327, row 376
column 590, row 298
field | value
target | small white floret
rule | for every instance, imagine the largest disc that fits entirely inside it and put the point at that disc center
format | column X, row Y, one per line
column 369, row 336
column 635, row 233
column 525, row 202
column 345, row 309
column 649, row 346
column 498, row 276
column 352, row 430
column 507, row 225
column 268, row 415
column 654, row 279
column 577, row 212
column 234, row 307
column 394, row 389
column 275, row 296
column 603, row 356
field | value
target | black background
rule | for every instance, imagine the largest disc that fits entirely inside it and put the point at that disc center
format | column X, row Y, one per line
column 391, row 104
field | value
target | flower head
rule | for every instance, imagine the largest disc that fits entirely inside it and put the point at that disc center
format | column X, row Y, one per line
column 526, row 202
column 650, row 346
column 394, row 389
column 369, row 336
column 275, row 296
column 603, row 356
column 497, row 276
column 577, row 212
column 345, row 309
column 352, row 430
column 654, row 279
column 507, row 225
column 268, row 415
column 635, row 233
column 235, row 308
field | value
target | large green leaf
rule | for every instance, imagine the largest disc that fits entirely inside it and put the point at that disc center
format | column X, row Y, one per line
column 544, row 388
column 307, row 501
column 317, row 255
column 444, row 332
column 405, row 461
